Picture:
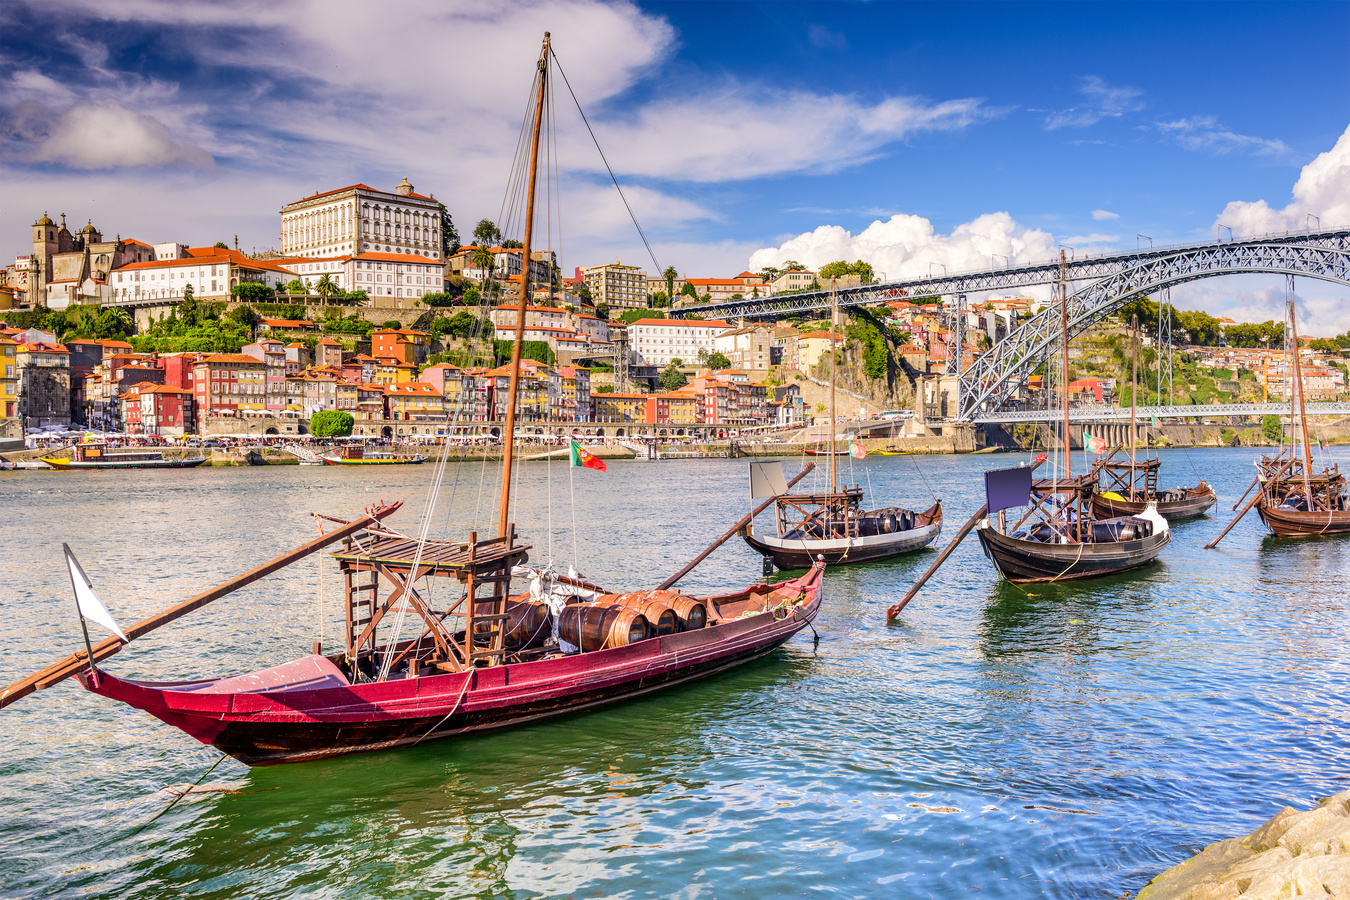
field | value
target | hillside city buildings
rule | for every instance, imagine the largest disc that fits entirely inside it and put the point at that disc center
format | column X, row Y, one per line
column 378, row 254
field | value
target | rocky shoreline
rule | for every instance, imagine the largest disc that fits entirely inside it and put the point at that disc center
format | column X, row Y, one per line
column 1294, row 854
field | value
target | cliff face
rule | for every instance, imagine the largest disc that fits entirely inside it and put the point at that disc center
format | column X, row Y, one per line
column 870, row 366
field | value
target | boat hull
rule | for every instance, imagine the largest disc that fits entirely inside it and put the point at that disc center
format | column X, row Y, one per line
column 1301, row 523
column 293, row 724
column 397, row 461
column 801, row 554
column 57, row 463
column 1021, row 561
column 1197, row 503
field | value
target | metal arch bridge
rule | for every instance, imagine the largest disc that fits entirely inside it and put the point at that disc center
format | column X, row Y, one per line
column 1112, row 281
column 1145, row 413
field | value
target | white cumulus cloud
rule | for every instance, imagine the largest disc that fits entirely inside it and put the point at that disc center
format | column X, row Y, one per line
column 1102, row 215
column 906, row 246
column 105, row 134
column 1322, row 190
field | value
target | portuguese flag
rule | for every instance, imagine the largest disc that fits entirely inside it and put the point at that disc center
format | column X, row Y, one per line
column 581, row 458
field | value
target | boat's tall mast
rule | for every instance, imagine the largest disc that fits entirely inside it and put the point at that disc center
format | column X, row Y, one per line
column 834, row 463
column 1064, row 336
column 510, row 435
column 1134, row 392
column 1302, row 410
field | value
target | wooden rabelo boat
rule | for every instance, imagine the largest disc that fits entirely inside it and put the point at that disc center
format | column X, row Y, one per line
column 487, row 659
column 833, row 526
column 1291, row 498
column 361, row 455
column 1059, row 537
column 1126, row 488
column 98, row 455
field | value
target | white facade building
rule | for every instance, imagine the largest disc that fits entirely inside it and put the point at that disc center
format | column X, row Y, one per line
column 360, row 219
column 655, row 342
column 210, row 271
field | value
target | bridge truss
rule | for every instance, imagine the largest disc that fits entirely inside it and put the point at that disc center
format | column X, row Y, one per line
column 1111, row 281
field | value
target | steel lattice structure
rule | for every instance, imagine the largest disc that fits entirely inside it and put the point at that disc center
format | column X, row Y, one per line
column 997, row 374
column 1080, row 270
column 1122, row 414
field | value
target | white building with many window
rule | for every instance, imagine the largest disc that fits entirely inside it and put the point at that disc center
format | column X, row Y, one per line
column 655, row 342
column 360, row 219
column 209, row 271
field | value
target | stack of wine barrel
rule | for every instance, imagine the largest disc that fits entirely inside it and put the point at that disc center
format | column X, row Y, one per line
column 611, row 620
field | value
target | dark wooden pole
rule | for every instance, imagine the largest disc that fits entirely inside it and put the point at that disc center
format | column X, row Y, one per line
column 508, row 447
column 895, row 609
column 734, row 528
column 60, row 671
column 1259, row 494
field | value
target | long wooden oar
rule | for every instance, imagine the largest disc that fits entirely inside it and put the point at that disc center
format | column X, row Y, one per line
column 895, row 609
column 60, row 671
column 1278, row 472
column 734, row 528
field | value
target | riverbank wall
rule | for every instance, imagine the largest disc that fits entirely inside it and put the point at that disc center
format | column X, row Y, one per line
column 1294, row 854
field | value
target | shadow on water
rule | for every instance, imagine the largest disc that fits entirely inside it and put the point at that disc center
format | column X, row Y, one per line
column 444, row 813
column 1064, row 616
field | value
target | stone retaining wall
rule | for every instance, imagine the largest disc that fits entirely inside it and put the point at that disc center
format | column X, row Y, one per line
column 1295, row 854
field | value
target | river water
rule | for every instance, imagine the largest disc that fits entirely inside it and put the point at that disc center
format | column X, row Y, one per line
column 1064, row 741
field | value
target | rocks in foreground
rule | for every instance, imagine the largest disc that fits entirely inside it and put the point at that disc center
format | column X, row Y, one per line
column 1295, row 854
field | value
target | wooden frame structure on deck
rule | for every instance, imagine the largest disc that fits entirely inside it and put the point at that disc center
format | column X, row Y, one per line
column 388, row 558
column 821, row 510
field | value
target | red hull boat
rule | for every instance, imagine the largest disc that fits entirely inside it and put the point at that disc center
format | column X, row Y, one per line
column 308, row 709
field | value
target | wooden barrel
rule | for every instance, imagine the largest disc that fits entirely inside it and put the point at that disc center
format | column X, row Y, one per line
column 596, row 627
column 659, row 616
column 528, row 622
column 689, row 612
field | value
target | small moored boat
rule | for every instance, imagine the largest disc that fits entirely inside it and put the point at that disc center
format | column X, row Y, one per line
column 360, row 455
column 98, row 455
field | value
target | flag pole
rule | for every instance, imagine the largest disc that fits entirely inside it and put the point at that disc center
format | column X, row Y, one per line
column 84, row 626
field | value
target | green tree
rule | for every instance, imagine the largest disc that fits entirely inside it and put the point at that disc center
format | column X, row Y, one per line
column 472, row 296
column 486, row 234
column 689, row 291
column 630, row 316
column 1270, row 427
column 718, row 360
column 603, row 389
column 331, row 423
column 670, row 275
column 326, row 287
column 251, row 290
column 840, row 268
column 484, row 259
column 113, row 322
column 449, row 234
column 672, row 379
column 660, row 300
column 190, row 311
column 243, row 317
column 356, row 298
column 296, row 286
column 440, row 298
column 221, row 245
column 463, row 324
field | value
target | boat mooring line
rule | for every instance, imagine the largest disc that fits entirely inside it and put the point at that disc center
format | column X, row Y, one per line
column 175, row 800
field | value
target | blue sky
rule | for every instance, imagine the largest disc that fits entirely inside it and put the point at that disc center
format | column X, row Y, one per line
column 910, row 134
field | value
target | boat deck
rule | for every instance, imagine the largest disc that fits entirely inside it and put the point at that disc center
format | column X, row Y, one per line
column 440, row 557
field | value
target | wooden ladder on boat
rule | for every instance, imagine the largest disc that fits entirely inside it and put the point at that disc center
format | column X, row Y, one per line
column 363, row 599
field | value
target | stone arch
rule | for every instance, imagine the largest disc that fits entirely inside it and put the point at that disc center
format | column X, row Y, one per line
column 387, row 432
column 271, row 429
column 618, row 432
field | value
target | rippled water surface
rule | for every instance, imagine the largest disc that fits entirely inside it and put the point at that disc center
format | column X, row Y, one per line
column 1065, row 741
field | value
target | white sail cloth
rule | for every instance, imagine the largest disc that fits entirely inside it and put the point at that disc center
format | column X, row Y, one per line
column 546, row 588
column 90, row 606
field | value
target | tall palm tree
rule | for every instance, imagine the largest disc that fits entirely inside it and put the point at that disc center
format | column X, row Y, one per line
column 326, row 287
column 669, row 275
column 483, row 258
